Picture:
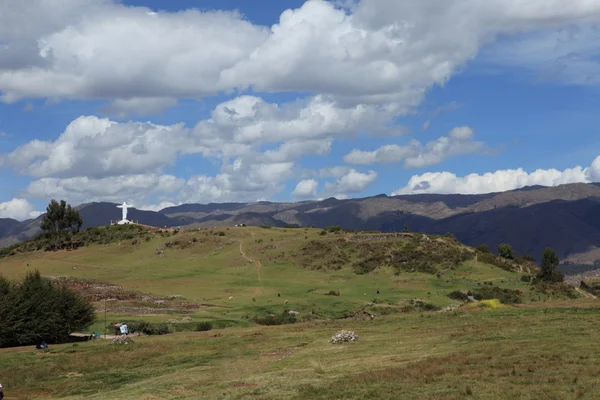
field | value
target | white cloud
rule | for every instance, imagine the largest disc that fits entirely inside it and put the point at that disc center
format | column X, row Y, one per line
column 249, row 120
column 306, row 189
column 353, row 182
column 415, row 155
column 96, row 147
column 3, row 134
column 101, row 49
column 382, row 51
column 19, row 209
column 138, row 106
column 157, row 207
column 592, row 173
column 117, row 188
column 498, row 181
column 362, row 67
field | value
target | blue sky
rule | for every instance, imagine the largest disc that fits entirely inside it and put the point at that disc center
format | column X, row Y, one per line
column 166, row 105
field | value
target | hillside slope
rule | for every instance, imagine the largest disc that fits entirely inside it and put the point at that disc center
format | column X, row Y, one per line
column 569, row 215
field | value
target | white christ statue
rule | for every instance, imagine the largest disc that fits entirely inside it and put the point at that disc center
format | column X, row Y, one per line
column 124, row 207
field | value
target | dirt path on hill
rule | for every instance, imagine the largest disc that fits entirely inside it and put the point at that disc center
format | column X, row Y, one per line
column 253, row 261
column 586, row 294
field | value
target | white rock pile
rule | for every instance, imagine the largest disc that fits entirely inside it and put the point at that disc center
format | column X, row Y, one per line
column 344, row 336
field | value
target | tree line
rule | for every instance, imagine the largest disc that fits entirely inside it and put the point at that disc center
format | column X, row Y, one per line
column 37, row 310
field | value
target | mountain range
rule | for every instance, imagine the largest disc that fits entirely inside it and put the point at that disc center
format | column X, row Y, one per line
column 565, row 217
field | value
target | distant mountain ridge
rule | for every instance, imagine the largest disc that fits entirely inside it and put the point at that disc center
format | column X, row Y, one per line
column 566, row 217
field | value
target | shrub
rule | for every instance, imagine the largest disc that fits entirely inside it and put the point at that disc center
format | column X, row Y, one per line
column 523, row 258
column 483, row 248
column 458, row 295
column 505, row 296
column 221, row 233
column 491, row 304
column 204, row 326
column 555, row 289
column 418, row 305
column 450, row 235
column 526, row 278
column 282, row 319
column 369, row 264
column 489, row 258
column 332, row 293
column 322, row 233
column 333, row 229
column 506, row 251
column 265, row 226
column 148, row 328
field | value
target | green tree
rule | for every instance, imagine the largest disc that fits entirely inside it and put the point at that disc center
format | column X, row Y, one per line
column 483, row 248
column 506, row 251
column 550, row 261
column 405, row 229
column 39, row 310
column 59, row 220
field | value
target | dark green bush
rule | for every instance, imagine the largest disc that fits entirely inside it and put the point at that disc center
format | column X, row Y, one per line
column 523, row 258
column 332, row 293
column 483, row 248
column 148, row 328
column 526, row 278
column 458, row 295
column 39, row 310
column 204, row 326
column 505, row 250
column 282, row 319
column 505, row 296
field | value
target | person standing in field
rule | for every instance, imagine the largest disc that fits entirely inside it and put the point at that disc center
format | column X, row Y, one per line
column 1, row 392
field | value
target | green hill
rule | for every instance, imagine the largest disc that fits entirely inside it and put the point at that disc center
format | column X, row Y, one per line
column 230, row 275
column 240, row 279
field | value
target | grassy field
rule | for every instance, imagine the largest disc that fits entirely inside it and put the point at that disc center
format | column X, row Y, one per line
column 545, row 352
column 543, row 349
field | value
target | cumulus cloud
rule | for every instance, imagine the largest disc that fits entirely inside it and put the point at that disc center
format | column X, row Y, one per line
column 19, row 209
column 84, row 189
column 415, row 155
column 498, row 181
column 361, row 67
column 306, row 189
column 245, row 120
column 396, row 48
column 99, row 147
column 353, row 182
